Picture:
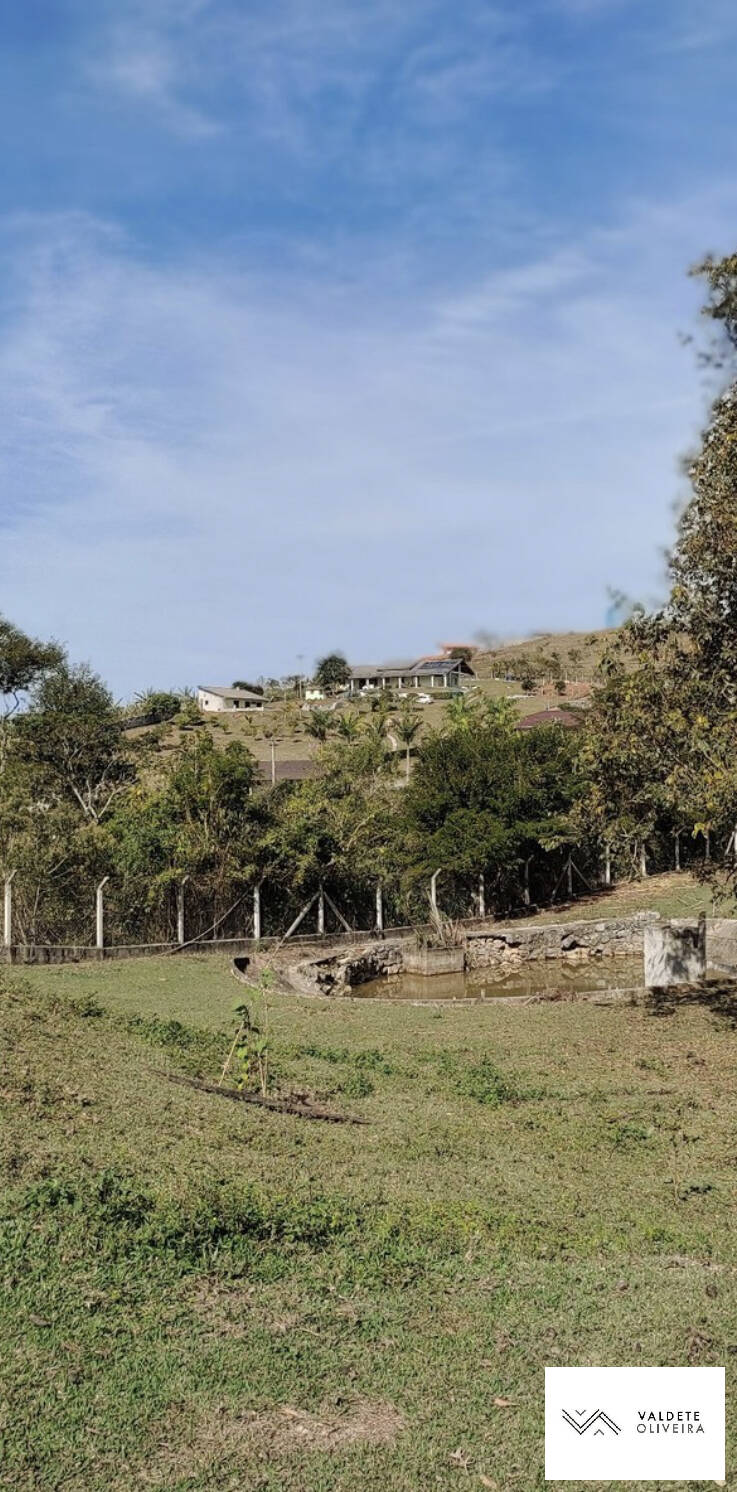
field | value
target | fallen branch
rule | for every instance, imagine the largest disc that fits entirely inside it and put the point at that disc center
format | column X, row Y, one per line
column 277, row 1105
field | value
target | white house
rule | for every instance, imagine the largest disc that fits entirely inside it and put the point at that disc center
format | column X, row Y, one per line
column 216, row 697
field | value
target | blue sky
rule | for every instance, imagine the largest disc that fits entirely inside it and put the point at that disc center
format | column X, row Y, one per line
column 347, row 324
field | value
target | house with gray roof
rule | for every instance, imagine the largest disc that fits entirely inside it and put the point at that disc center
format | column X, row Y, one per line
column 421, row 673
column 219, row 697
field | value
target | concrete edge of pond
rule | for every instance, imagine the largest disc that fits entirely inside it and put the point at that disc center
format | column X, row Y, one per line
column 618, row 994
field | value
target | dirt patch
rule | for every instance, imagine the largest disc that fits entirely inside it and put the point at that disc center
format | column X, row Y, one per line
column 236, row 1311
column 219, row 1437
column 363, row 1422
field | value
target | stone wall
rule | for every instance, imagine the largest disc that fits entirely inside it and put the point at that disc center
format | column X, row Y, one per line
column 569, row 940
column 337, row 973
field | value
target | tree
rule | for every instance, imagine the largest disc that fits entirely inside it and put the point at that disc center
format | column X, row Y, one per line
column 195, row 816
column 484, row 798
column 24, row 661
column 661, row 741
column 332, row 672
column 337, row 828
column 243, row 684
column 318, row 724
column 71, row 735
column 407, row 724
column 160, row 704
column 349, row 725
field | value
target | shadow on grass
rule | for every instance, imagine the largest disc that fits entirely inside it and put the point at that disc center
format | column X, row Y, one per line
column 719, row 996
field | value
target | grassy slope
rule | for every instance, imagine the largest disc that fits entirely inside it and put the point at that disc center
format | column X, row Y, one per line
column 221, row 1297
column 300, row 745
column 589, row 645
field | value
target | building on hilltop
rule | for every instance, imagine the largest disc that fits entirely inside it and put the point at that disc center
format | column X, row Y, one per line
column 217, row 698
column 422, row 673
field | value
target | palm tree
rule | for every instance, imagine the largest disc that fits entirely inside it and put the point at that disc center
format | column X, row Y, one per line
column 375, row 729
column 406, row 726
column 318, row 724
column 349, row 725
column 459, row 712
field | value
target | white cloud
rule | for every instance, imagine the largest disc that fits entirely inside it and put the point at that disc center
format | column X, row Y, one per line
column 206, row 472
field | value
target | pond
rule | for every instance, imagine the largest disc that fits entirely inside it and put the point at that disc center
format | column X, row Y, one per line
column 551, row 977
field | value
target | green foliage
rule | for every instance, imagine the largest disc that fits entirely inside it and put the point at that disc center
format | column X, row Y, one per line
column 481, row 1080
column 332, row 672
column 71, row 738
column 318, row 724
column 23, row 661
column 483, row 796
column 160, row 704
column 660, row 754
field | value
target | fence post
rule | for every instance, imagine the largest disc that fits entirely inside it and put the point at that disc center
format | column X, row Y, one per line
column 320, row 913
column 8, row 918
column 607, row 865
column 99, row 914
column 434, row 888
column 569, row 868
column 180, row 910
column 643, row 861
column 257, row 911
column 379, row 908
column 482, row 896
column 677, row 838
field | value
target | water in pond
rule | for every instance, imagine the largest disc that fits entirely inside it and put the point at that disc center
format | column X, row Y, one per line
column 553, row 976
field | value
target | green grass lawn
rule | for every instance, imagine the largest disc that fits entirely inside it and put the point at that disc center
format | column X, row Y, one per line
column 671, row 894
column 201, row 1295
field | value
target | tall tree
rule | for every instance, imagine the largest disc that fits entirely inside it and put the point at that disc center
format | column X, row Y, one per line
column 71, row 736
column 665, row 720
column 332, row 672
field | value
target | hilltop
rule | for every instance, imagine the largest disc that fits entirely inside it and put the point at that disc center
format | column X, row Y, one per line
column 579, row 653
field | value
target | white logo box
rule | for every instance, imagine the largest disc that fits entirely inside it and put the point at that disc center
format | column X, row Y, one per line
column 634, row 1424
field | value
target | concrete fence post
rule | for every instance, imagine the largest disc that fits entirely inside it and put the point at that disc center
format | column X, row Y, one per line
column 180, row 910
column 674, row 953
column 100, row 914
column 677, row 856
column 482, row 896
column 607, row 865
column 8, row 911
column 257, row 911
column 379, row 908
column 320, row 913
column 434, row 888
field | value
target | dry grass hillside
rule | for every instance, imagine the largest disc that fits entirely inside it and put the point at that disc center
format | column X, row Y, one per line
column 579, row 652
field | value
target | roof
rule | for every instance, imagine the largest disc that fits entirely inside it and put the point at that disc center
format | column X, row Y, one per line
column 419, row 666
column 224, row 692
column 566, row 718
